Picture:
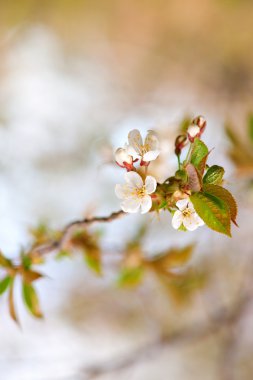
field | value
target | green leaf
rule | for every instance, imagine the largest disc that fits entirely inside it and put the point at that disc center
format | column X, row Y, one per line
column 26, row 261
column 226, row 196
column 4, row 262
column 130, row 277
column 93, row 262
column 250, row 126
column 31, row 300
column 199, row 154
column 4, row 284
column 214, row 212
column 214, row 175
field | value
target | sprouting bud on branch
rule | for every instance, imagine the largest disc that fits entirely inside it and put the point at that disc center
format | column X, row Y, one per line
column 197, row 128
column 180, row 144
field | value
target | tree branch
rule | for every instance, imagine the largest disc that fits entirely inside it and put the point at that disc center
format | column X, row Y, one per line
column 222, row 319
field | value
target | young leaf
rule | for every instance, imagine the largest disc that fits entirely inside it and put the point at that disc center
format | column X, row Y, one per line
column 4, row 262
column 199, row 154
column 31, row 300
column 12, row 310
column 30, row 276
column 93, row 261
column 175, row 257
column 214, row 175
column 226, row 196
column 214, row 212
column 4, row 284
column 130, row 277
column 193, row 178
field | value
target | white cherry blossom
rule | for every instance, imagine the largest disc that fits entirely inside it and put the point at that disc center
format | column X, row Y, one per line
column 135, row 194
column 187, row 216
column 145, row 151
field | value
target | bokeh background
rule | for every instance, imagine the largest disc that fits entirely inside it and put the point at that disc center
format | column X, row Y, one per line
column 75, row 77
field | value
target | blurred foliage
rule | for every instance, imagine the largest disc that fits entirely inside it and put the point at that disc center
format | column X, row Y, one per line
column 241, row 150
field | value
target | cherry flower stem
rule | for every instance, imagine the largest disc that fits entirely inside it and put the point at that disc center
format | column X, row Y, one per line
column 178, row 160
column 188, row 153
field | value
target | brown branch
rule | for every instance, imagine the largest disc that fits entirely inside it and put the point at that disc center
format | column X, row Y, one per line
column 223, row 319
column 68, row 231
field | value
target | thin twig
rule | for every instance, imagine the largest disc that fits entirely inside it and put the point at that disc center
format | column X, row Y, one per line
column 68, row 230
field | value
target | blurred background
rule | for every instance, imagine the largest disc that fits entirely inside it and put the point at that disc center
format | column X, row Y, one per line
column 75, row 77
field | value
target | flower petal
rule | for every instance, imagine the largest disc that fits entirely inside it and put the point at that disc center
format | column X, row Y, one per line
column 150, row 184
column 191, row 222
column 135, row 140
column 182, row 204
column 177, row 220
column 151, row 141
column 151, row 155
column 131, row 205
column 146, row 204
column 132, row 152
column 123, row 191
column 199, row 220
column 134, row 179
column 122, row 156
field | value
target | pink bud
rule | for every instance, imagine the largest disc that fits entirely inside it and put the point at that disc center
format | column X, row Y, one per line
column 200, row 121
column 180, row 143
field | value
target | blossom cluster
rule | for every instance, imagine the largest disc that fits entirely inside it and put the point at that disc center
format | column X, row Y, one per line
column 141, row 192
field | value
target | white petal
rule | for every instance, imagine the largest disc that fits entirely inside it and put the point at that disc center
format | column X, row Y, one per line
column 135, row 140
column 131, row 205
column 134, row 179
column 191, row 223
column 182, row 204
column 150, row 184
column 151, row 155
column 132, row 152
column 123, row 191
column 152, row 141
column 122, row 156
column 119, row 191
column 190, row 206
column 199, row 220
column 146, row 204
column 177, row 220
column 193, row 130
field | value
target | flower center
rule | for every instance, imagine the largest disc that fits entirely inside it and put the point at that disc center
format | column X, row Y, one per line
column 187, row 212
column 145, row 148
column 141, row 192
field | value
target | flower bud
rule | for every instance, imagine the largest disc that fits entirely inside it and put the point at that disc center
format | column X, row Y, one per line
column 180, row 143
column 200, row 121
column 123, row 159
column 193, row 132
